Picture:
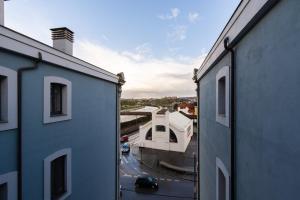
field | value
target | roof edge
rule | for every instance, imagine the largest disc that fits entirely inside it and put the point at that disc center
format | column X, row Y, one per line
column 244, row 13
column 22, row 44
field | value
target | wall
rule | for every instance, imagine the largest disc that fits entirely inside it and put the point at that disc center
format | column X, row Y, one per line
column 91, row 133
column 267, row 112
column 268, row 107
column 214, row 137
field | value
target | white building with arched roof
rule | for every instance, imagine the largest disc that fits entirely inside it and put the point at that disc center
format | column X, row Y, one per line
column 166, row 131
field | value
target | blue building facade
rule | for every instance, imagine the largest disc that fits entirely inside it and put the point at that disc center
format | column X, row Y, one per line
column 59, row 122
column 249, row 99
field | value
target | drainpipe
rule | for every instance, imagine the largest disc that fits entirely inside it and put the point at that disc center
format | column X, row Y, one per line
column 20, row 135
column 121, row 82
column 232, row 118
column 198, row 135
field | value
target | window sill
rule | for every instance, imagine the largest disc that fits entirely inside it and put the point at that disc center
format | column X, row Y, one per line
column 57, row 118
column 3, row 121
column 58, row 115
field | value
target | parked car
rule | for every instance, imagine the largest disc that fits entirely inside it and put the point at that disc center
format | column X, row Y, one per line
column 124, row 138
column 125, row 148
column 146, row 182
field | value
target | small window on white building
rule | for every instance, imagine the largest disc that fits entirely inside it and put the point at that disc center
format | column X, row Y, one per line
column 222, row 181
column 57, row 175
column 57, row 99
column 8, row 186
column 222, row 96
column 160, row 128
column 8, row 99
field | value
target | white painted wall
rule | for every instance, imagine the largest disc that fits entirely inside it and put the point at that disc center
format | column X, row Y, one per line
column 160, row 140
column 63, row 45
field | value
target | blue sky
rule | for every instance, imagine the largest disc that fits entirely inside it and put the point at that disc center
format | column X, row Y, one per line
column 157, row 43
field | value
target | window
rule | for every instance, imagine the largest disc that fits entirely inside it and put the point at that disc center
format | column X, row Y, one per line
column 8, row 186
column 160, row 128
column 8, row 99
column 57, row 175
column 57, row 99
column 222, row 180
column 3, row 99
column 149, row 134
column 173, row 138
column 222, row 96
column 189, row 131
column 3, row 191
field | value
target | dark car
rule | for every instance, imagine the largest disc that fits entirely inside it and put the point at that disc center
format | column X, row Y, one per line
column 146, row 182
column 124, row 138
column 125, row 148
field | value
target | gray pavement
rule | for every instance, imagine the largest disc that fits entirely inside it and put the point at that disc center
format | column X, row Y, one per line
column 172, row 185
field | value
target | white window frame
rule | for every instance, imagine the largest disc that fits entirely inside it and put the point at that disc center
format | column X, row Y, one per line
column 47, row 173
column 67, row 99
column 12, row 103
column 223, row 119
column 11, row 179
column 221, row 167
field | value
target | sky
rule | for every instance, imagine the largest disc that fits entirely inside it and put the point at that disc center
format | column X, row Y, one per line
column 156, row 43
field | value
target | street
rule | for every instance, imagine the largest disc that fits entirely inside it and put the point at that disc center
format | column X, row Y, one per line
column 171, row 185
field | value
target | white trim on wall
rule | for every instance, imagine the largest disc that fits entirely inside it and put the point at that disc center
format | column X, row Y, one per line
column 47, row 173
column 11, row 179
column 9, row 101
column 223, row 119
column 220, row 166
column 67, row 99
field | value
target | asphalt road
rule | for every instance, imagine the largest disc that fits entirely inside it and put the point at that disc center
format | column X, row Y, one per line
column 171, row 186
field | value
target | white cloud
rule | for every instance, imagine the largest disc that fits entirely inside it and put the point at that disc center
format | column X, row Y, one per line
column 178, row 33
column 147, row 76
column 174, row 13
column 193, row 17
column 140, row 53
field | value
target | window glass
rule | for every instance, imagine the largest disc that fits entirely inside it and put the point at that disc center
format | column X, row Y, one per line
column 3, row 191
column 3, row 98
column 221, row 96
column 173, row 138
column 56, row 99
column 58, row 177
column 222, row 186
column 149, row 134
column 160, row 128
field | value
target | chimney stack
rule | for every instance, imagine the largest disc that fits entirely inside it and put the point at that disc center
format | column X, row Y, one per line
column 2, row 12
column 63, row 39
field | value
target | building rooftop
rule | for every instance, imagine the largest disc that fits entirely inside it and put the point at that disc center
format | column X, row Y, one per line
column 178, row 120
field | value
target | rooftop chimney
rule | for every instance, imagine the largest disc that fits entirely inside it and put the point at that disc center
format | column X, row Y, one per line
column 2, row 12
column 63, row 39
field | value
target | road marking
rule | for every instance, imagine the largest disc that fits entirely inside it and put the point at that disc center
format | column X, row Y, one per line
column 176, row 180
column 127, row 175
column 169, row 179
column 122, row 162
column 162, row 179
column 125, row 160
column 144, row 172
